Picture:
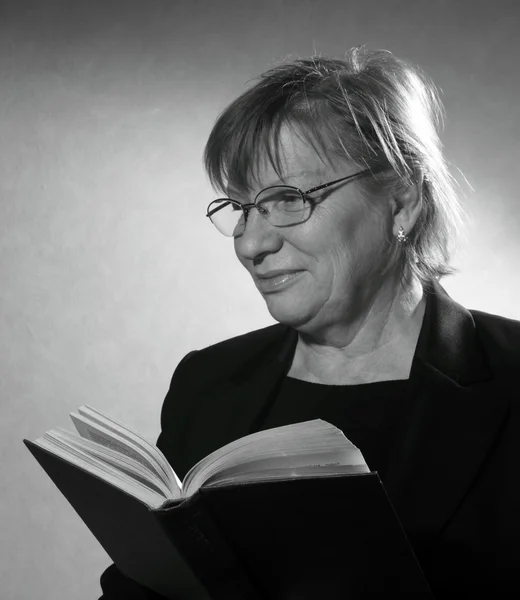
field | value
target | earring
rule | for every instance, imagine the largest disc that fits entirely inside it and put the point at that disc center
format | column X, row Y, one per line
column 401, row 236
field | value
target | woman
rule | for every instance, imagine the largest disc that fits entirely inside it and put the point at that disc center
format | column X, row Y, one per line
column 342, row 209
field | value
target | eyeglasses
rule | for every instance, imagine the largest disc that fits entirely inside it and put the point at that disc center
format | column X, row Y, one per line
column 281, row 205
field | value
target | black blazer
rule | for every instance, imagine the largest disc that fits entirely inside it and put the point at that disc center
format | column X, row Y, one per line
column 454, row 481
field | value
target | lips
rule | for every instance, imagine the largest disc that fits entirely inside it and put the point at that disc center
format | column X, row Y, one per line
column 274, row 281
column 275, row 273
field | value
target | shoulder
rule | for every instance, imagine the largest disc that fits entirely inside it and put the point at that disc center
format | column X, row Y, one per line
column 500, row 337
column 224, row 358
column 195, row 410
column 250, row 342
column 499, row 330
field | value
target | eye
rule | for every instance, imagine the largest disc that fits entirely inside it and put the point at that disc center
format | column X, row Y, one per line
column 289, row 197
column 290, row 202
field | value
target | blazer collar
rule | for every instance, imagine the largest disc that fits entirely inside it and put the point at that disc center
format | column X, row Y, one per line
column 448, row 340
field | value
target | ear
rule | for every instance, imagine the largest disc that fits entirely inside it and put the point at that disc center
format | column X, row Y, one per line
column 406, row 207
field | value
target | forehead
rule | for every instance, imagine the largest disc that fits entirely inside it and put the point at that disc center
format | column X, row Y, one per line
column 299, row 162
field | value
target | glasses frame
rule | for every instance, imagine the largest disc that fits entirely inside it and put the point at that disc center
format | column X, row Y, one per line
column 246, row 208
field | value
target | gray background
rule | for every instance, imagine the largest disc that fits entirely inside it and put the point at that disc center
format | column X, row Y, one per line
column 109, row 270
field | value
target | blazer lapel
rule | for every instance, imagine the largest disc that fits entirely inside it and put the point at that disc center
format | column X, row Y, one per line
column 258, row 382
column 455, row 419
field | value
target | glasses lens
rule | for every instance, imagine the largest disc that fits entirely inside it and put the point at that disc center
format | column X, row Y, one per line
column 227, row 217
column 282, row 205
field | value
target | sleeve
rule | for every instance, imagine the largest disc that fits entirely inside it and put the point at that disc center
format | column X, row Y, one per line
column 175, row 413
column 115, row 585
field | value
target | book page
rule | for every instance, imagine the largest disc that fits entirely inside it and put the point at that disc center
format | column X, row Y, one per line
column 271, row 474
column 94, row 425
column 345, row 458
column 314, row 444
column 121, row 462
column 97, row 467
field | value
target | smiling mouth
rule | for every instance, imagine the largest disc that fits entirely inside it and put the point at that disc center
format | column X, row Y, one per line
column 276, row 282
column 275, row 273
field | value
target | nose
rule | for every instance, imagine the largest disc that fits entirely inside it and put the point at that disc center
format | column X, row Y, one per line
column 259, row 237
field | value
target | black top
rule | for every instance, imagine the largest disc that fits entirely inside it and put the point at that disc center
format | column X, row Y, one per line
column 368, row 414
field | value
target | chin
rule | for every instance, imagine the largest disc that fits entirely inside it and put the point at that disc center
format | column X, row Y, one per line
column 288, row 311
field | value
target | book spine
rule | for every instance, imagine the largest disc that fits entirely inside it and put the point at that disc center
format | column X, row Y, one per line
column 196, row 536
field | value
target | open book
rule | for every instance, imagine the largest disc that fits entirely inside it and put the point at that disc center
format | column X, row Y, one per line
column 123, row 458
column 289, row 512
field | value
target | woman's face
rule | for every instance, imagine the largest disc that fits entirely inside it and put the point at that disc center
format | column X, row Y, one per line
column 340, row 252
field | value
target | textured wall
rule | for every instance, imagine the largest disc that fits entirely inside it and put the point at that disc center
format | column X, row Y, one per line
column 109, row 270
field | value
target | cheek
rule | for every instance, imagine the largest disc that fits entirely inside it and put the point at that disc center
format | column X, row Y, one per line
column 374, row 249
column 358, row 244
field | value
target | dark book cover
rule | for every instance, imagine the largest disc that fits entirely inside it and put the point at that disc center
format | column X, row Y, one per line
column 335, row 537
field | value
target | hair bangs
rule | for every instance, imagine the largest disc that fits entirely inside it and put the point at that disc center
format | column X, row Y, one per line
column 234, row 151
column 240, row 139
column 316, row 124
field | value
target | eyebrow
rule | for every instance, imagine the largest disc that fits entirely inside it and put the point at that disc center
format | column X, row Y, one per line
column 316, row 173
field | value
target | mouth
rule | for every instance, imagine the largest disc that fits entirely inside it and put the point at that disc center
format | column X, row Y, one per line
column 276, row 280
column 274, row 273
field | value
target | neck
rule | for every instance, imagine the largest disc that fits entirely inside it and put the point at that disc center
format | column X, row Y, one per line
column 379, row 345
